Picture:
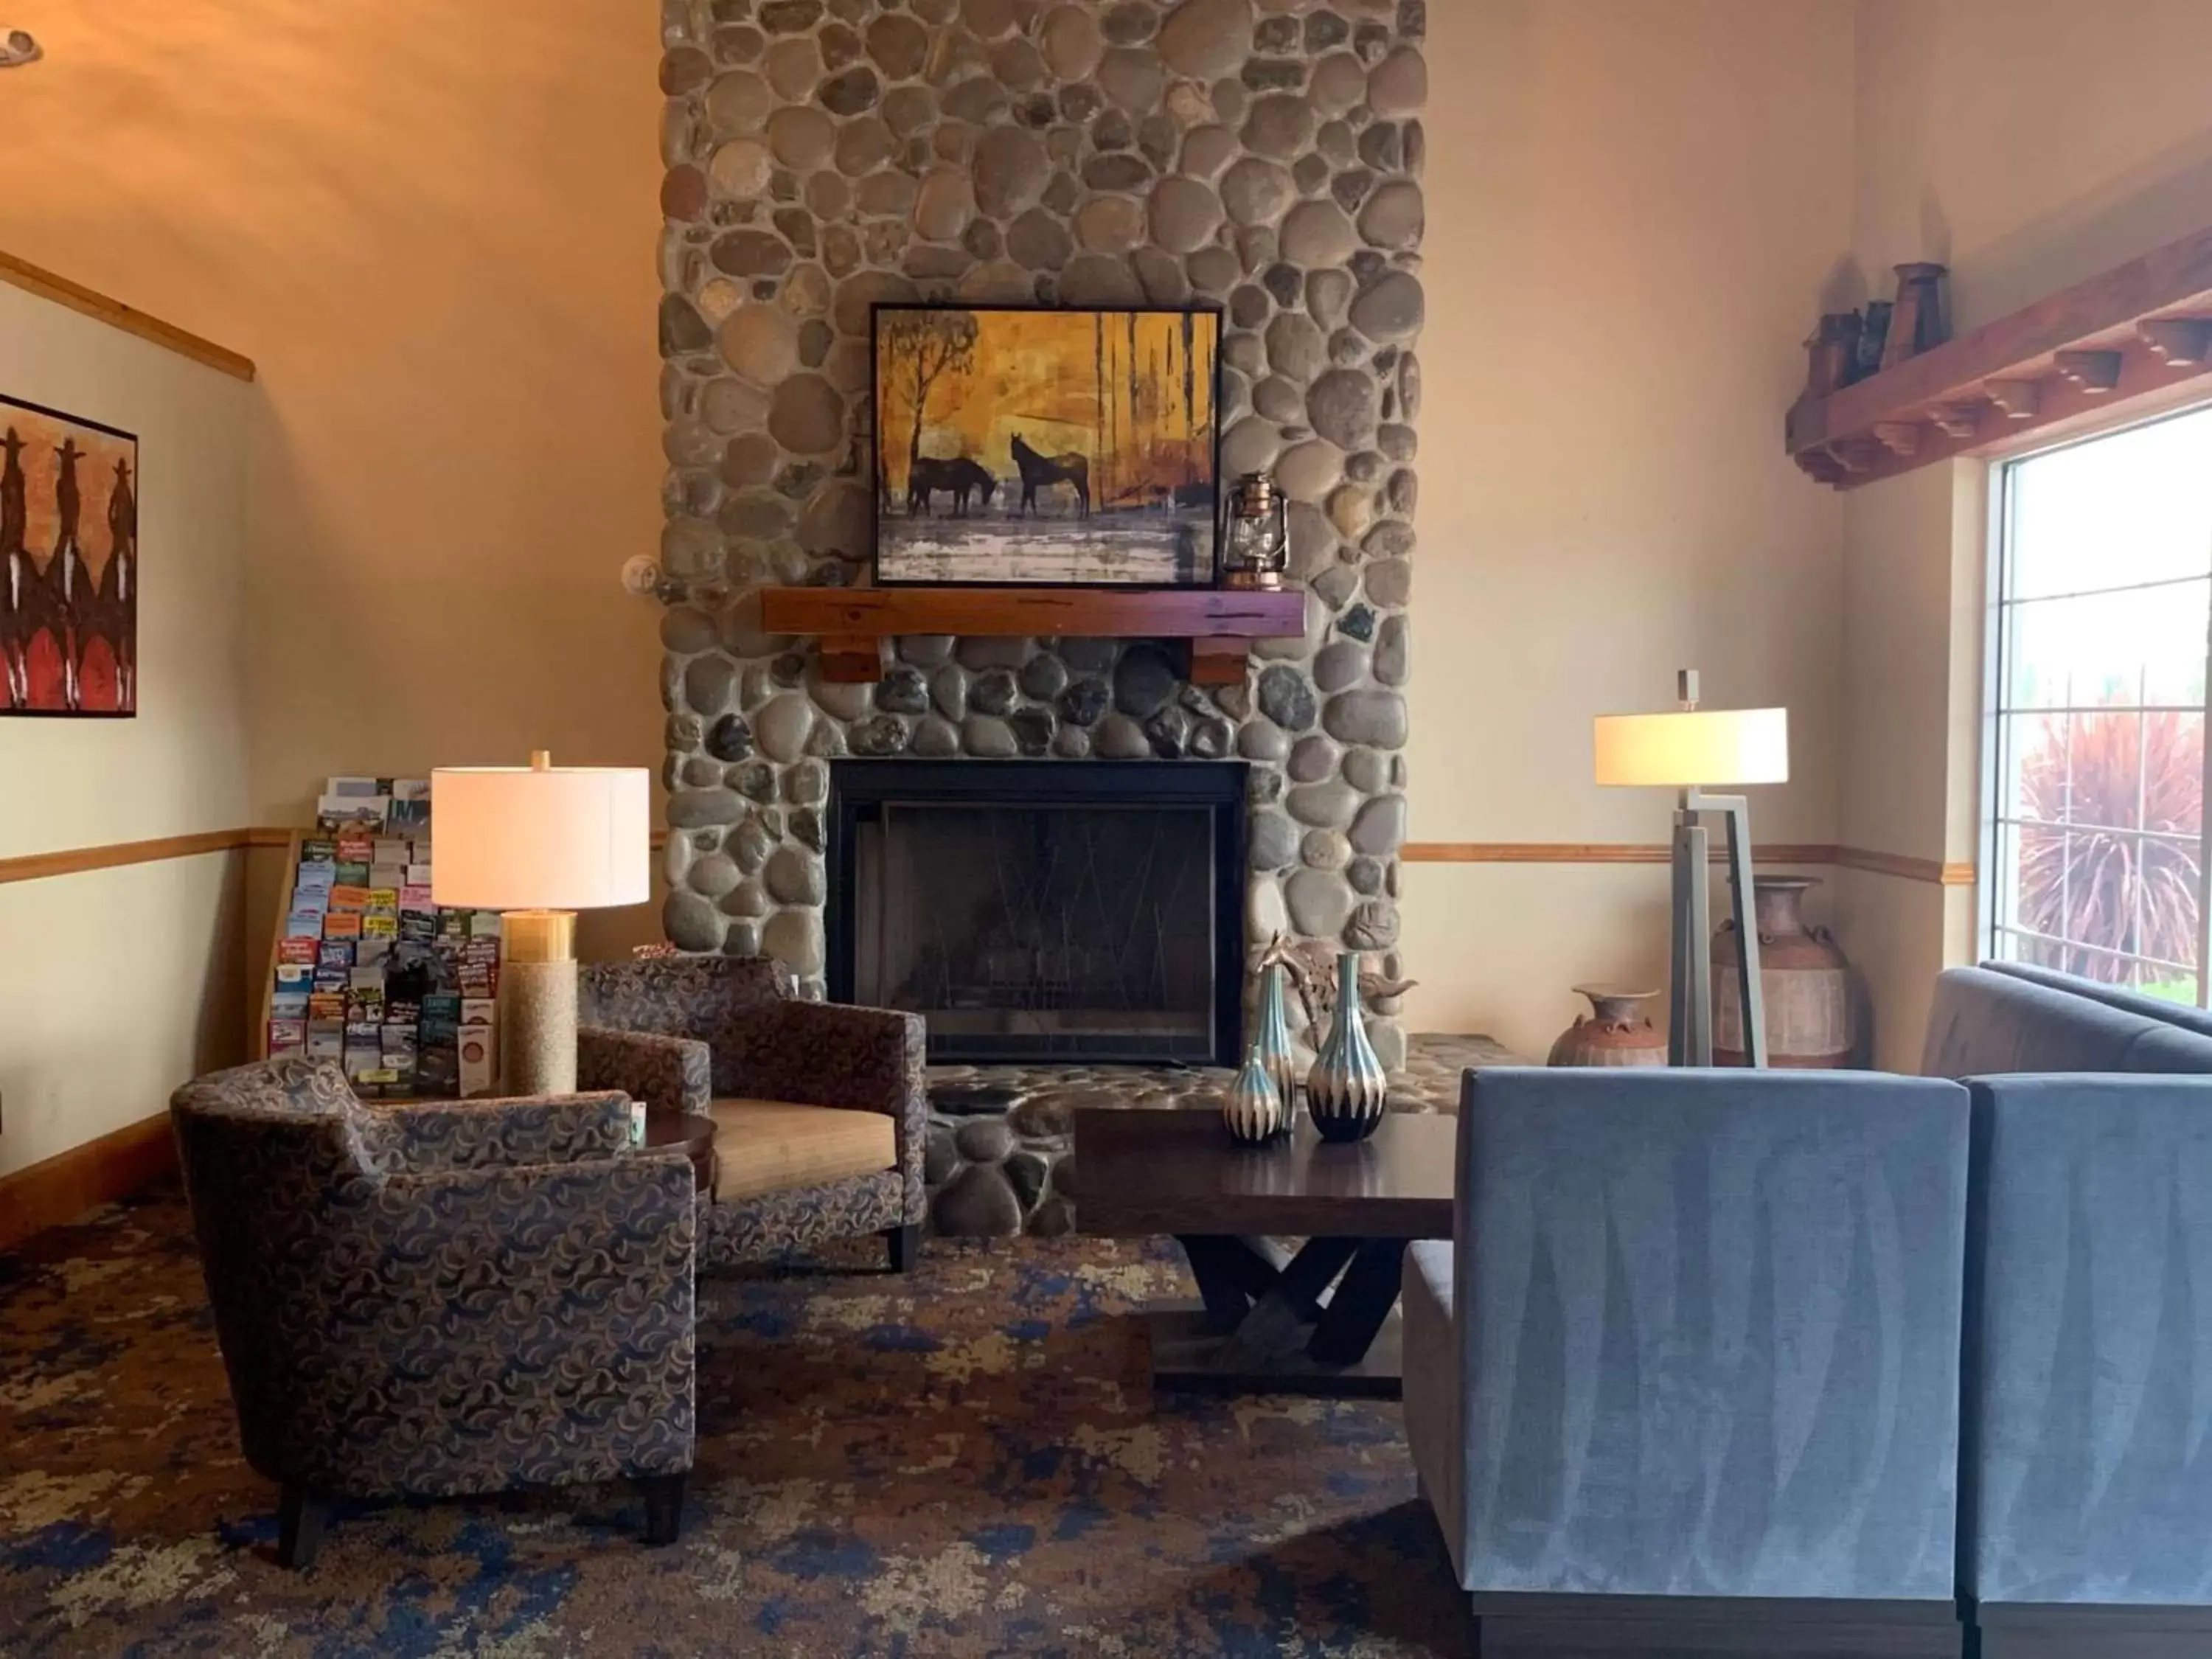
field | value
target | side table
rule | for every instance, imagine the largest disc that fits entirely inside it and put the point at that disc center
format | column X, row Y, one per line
column 694, row 1133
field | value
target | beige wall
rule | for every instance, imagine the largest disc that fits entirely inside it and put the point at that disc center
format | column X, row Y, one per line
column 433, row 226
column 1632, row 211
column 114, row 984
column 435, row 230
column 2029, row 144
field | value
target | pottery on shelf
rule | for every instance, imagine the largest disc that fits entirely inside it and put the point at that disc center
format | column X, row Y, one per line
column 1346, row 1092
column 1253, row 1110
column 1617, row 1031
column 1802, row 975
column 1271, row 1042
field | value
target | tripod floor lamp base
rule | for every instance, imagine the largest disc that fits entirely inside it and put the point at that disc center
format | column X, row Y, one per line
column 1691, row 750
column 1690, row 998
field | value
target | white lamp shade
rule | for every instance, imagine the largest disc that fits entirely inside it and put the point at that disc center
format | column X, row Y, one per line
column 1687, row 748
column 559, row 838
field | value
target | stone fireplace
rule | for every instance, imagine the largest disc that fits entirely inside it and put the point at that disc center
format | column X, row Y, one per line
column 1035, row 911
column 823, row 155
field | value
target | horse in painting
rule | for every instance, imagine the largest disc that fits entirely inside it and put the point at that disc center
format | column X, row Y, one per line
column 958, row 478
column 1041, row 471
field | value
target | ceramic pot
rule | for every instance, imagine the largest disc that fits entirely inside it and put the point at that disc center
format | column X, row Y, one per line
column 1271, row 1042
column 1345, row 1092
column 1802, row 975
column 1253, row 1110
column 1618, row 1031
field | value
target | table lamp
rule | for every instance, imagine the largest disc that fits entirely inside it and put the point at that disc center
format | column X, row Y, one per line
column 1688, row 750
column 540, row 843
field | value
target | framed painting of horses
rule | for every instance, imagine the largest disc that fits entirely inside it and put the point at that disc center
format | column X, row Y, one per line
column 1029, row 444
column 69, row 564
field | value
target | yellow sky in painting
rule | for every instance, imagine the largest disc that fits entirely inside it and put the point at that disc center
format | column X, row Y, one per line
column 1037, row 373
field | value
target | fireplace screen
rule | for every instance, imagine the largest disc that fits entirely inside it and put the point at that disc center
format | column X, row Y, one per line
column 1040, row 928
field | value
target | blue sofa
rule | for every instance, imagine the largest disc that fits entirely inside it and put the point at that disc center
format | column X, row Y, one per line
column 1581, row 1416
column 2005, row 1018
column 1687, row 1379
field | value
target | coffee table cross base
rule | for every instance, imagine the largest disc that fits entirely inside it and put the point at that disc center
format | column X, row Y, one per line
column 1319, row 1321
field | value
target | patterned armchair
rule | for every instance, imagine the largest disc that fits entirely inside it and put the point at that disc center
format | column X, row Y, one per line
column 818, row 1109
column 461, row 1297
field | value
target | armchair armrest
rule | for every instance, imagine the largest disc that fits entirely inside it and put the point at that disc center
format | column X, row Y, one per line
column 828, row 1053
column 668, row 1073
column 519, row 1130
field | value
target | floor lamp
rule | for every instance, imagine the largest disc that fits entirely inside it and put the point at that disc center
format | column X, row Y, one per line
column 1691, row 750
column 540, row 843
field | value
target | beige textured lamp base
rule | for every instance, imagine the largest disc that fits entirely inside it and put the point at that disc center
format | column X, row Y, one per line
column 538, row 1005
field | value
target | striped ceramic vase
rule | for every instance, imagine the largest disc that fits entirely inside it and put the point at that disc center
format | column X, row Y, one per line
column 1272, row 1042
column 1253, row 1111
column 1345, row 1092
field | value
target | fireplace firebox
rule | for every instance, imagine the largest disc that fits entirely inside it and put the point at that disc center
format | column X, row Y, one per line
column 1042, row 910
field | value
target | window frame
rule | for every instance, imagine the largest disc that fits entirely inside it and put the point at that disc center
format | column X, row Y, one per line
column 1998, row 719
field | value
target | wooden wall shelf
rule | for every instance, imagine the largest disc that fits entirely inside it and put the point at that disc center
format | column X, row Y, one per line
column 2134, row 339
column 853, row 623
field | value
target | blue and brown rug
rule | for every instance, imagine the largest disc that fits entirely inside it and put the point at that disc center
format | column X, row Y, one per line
column 966, row 1461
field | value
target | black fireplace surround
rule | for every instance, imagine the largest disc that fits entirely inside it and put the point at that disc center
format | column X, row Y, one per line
column 1043, row 910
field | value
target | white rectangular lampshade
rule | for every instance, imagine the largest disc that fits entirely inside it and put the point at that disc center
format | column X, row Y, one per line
column 1693, row 747
column 559, row 838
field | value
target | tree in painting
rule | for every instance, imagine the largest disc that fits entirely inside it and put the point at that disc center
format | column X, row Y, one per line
column 926, row 344
column 1046, row 446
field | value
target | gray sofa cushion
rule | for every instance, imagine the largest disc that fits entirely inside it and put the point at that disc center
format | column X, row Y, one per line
column 1710, row 1324
column 2181, row 1014
column 1435, row 1395
column 2090, row 1309
column 1984, row 1022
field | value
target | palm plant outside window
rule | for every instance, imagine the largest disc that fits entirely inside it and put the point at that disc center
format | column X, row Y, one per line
column 2104, row 634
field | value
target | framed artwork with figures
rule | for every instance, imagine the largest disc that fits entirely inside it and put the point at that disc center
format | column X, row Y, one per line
column 1025, row 446
column 69, row 565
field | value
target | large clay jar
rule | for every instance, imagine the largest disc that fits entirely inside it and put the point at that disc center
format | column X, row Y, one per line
column 1802, row 975
column 1618, row 1031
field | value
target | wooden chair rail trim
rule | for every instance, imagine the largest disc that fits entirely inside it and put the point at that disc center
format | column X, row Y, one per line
column 22, row 274
column 63, row 1186
column 38, row 866
column 1565, row 852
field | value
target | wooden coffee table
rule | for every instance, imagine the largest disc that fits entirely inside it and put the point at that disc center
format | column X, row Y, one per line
column 1320, row 1321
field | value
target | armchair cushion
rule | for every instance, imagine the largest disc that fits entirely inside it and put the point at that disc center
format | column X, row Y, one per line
column 779, row 1145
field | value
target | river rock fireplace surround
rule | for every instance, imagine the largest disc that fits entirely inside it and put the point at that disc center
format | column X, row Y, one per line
column 826, row 155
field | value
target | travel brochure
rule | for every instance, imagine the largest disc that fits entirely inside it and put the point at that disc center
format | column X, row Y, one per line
column 370, row 972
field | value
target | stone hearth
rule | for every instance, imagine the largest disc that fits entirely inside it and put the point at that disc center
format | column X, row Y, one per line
column 1259, row 156
column 1001, row 1158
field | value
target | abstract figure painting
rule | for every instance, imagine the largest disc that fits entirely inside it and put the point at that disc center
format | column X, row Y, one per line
column 69, row 564
column 1034, row 446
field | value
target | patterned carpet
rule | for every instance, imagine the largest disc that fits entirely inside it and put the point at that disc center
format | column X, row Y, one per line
column 965, row 1461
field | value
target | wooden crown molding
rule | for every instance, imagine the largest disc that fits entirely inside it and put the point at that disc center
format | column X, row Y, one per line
column 22, row 274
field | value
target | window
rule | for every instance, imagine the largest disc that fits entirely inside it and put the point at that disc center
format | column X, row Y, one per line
column 2104, row 629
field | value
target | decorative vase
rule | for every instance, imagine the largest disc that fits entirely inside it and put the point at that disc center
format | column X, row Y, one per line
column 1804, row 977
column 1253, row 1110
column 1346, row 1091
column 1271, row 1043
column 1618, row 1031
